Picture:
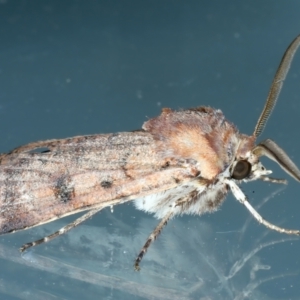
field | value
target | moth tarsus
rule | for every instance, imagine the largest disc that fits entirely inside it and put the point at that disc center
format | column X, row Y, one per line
column 152, row 237
column 181, row 162
column 61, row 231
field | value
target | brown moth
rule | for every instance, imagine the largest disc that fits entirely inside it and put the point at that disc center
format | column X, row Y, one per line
column 181, row 162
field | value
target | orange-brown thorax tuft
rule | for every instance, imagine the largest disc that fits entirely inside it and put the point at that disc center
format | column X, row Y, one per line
column 201, row 134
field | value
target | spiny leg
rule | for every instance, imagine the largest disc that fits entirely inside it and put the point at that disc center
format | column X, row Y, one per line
column 240, row 196
column 62, row 230
column 151, row 238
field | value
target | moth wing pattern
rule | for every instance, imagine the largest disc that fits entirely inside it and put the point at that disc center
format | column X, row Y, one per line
column 44, row 181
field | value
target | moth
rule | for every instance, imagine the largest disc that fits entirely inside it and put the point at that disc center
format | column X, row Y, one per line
column 181, row 162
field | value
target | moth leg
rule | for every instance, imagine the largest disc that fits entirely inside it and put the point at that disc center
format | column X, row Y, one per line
column 241, row 197
column 151, row 238
column 273, row 180
column 61, row 231
column 183, row 200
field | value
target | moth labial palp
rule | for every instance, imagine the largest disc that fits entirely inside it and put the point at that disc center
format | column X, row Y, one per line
column 180, row 162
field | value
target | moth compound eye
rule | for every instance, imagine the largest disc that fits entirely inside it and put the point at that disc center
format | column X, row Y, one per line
column 241, row 170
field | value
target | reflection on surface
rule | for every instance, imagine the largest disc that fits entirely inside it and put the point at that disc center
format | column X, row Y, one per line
column 190, row 260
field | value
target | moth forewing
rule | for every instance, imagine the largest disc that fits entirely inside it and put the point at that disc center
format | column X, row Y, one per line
column 78, row 174
column 181, row 162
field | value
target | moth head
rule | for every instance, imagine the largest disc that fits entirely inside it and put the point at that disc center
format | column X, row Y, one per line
column 248, row 168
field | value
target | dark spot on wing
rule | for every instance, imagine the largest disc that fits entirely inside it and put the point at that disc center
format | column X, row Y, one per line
column 106, row 184
column 46, row 151
column 138, row 130
column 40, row 150
column 177, row 180
column 63, row 189
column 197, row 173
column 166, row 165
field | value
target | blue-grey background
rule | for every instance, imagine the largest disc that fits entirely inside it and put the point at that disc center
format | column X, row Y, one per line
column 80, row 67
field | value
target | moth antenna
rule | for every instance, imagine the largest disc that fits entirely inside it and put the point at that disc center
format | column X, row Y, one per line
column 270, row 149
column 152, row 237
column 276, row 86
column 61, row 231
